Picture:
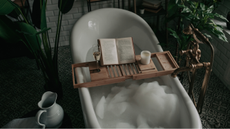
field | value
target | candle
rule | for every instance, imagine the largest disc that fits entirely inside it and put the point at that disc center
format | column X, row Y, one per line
column 145, row 57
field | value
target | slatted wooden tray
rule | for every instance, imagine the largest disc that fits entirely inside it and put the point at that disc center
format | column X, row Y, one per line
column 119, row 73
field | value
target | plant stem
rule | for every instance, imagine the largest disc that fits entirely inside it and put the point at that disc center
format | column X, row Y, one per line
column 47, row 35
column 23, row 15
column 47, row 47
column 55, row 57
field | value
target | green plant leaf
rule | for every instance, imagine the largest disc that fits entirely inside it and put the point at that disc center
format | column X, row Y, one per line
column 65, row 5
column 185, row 40
column 15, row 13
column 173, row 11
column 210, row 9
column 186, row 10
column 175, row 35
column 171, row 4
column 44, row 30
column 43, row 15
column 173, row 8
column 217, row 31
column 190, row 17
column 209, row 15
column 176, row 1
column 181, row 6
column 208, row 36
column 194, row 5
column 221, row 17
column 221, row 37
column 202, row 6
column 7, row 28
column 33, row 40
column 6, row 7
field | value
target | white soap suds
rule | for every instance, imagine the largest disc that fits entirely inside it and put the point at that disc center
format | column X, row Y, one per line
column 141, row 122
column 100, row 109
column 138, row 104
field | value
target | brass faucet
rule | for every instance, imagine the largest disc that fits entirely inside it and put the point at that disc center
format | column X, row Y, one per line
column 193, row 55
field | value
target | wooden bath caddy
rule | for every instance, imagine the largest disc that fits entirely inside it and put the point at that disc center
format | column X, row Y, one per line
column 119, row 73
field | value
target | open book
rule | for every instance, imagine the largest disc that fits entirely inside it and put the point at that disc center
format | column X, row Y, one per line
column 116, row 51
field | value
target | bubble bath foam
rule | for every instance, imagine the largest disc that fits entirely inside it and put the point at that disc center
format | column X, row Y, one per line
column 138, row 104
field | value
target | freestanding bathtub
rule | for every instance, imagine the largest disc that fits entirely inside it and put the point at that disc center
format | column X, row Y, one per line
column 116, row 23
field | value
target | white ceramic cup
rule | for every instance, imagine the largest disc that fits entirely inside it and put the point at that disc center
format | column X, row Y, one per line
column 145, row 57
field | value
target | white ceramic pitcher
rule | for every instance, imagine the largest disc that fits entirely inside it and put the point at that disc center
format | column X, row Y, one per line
column 51, row 113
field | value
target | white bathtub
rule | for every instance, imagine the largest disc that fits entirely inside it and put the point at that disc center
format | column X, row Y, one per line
column 116, row 23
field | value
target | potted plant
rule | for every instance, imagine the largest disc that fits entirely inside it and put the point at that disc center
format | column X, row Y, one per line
column 23, row 30
column 199, row 15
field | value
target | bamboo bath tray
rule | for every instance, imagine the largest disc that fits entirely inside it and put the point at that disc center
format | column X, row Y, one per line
column 119, row 73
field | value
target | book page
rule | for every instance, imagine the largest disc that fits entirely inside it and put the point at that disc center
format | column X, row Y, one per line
column 125, row 50
column 109, row 51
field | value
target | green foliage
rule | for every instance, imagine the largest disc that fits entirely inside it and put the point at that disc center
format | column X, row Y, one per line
column 197, row 13
column 14, row 14
column 31, row 38
column 215, row 3
column 43, row 15
column 182, row 39
column 8, row 30
column 22, row 30
column 6, row 7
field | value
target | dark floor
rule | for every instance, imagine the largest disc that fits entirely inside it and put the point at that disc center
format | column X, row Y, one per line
column 22, row 87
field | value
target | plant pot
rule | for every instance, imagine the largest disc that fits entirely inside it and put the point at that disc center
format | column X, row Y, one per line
column 54, row 87
column 228, row 23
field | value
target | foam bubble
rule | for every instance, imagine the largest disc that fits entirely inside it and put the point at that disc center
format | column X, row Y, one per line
column 140, row 104
column 118, row 108
column 142, row 122
column 100, row 108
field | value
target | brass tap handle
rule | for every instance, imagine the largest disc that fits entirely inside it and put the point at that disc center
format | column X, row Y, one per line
column 184, row 52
